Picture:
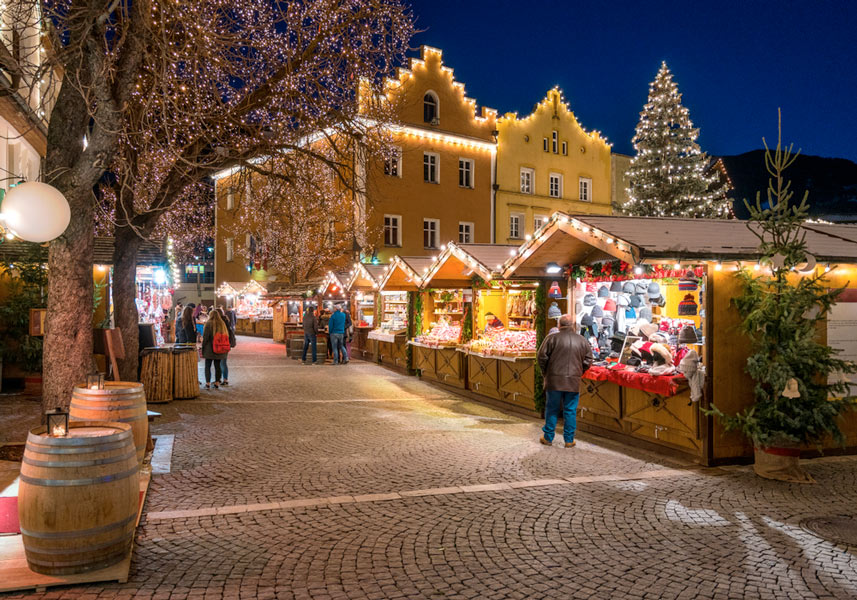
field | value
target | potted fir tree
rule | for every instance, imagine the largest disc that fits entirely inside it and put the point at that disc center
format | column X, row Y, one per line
column 800, row 390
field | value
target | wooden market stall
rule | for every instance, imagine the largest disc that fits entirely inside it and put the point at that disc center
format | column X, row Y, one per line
column 288, row 302
column 677, row 274
column 363, row 289
column 401, row 276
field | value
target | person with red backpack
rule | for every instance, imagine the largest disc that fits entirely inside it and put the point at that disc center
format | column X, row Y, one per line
column 215, row 346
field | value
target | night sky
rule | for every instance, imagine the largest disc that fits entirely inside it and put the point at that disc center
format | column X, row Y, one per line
column 735, row 64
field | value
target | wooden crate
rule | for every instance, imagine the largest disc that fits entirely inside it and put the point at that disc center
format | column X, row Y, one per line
column 671, row 421
column 483, row 376
column 451, row 367
column 425, row 361
column 517, row 382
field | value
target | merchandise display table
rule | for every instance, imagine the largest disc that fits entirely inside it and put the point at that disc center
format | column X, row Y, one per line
column 664, row 385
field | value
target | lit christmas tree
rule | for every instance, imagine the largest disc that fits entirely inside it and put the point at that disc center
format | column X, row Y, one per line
column 668, row 174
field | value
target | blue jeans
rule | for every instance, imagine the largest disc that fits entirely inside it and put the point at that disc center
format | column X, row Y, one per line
column 224, row 368
column 337, row 344
column 310, row 339
column 565, row 403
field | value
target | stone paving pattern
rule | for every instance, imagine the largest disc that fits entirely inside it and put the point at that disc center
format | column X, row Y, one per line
column 629, row 524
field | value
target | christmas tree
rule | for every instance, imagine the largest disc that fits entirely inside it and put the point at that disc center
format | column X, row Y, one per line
column 668, row 174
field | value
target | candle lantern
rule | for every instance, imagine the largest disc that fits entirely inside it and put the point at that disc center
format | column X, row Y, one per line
column 95, row 381
column 57, row 422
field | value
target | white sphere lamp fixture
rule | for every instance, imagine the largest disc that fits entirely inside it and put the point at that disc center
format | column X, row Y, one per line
column 35, row 212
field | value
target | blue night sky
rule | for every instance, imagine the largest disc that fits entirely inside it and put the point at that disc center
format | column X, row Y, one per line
column 735, row 64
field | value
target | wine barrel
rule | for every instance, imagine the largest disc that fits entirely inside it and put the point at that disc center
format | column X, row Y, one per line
column 156, row 374
column 120, row 402
column 78, row 497
column 185, row 371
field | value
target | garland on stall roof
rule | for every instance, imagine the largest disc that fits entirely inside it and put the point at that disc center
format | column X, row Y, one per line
column 418, row 313
column 477, row 283
column 541, row 329
column 618, row 270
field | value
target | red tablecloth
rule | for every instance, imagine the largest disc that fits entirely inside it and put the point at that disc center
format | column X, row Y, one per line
column 665, row 385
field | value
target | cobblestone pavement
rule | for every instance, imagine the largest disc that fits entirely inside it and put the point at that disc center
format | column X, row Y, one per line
column 356, row 482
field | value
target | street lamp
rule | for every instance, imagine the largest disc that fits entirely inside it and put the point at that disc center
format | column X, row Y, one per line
column 35, row 212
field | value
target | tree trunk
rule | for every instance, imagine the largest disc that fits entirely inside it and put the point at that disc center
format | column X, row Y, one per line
column 67, row 354
column 127, row 244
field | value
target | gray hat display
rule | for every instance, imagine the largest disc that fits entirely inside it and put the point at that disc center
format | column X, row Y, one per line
column 658, row 301
column 589, row 300
column 647, row 329
column 640, row 287
column 645, row 313
column 622, row 300
column 654, row 290
column 616, row 286
column 608, row 321
column 636, row 301
column 597, row 313
column 687, row 335
column 659, row 338
column 587, row 321
column 554, row 312
column 628, row 287
column 603, row 292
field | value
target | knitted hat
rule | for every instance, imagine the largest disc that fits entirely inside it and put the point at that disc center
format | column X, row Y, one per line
column 603, row 292
column 658, row 301
column 597, row 313
column 610, row 305
column 688, row 283
column 661, row 354
column 589, row 300
column 654, row 290
column 616, row 286
column 637, row 301
column 658, row 338
column 608, row 321
column 687, row 307
column 622, row 300
column 687, row 335
column 640, row 287
column 587, row 321
column 554, row 291
column 647, row 329
column 554, row 312
column 628, row 287
column 617, row 340
column 645, row 313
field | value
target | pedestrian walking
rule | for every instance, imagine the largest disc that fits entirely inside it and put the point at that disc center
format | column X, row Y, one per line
column 310, row 334
column 188, row 326
column 224, row 368
column 563, row 358
column 215, row 347
column 336, row 329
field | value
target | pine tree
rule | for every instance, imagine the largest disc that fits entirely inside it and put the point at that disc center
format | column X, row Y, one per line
column 668, row 173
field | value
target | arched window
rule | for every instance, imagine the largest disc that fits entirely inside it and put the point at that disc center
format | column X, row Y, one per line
column 430, row 107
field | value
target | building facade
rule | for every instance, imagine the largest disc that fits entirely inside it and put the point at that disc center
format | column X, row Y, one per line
column 547, row 162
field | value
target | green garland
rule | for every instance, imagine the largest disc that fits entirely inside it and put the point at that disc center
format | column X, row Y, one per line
column 541, row 327
column 477, row 283
column 418, row 313
column 412, row 326
column 467, row 324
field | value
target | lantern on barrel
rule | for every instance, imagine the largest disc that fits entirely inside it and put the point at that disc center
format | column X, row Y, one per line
column 95, row 381
column 57, row 422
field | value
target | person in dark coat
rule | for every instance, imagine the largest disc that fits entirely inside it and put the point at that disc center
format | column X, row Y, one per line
column 213, row 326
column 310, row 334
column 563, row 358
column 188, row 326
column 224, row 368
column 177, row 324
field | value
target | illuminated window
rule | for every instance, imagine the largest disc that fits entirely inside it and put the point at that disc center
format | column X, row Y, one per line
column 431, row 227
column 527, row 180
column 555, row 185
column 230, row 198
column 392, row 230
column 585, row 189
column 230, row 249
column 430, row 170
column 515, row 221
column 554, row 142
column 430, row 108
column 465, row 173
column 393, row 165
column 465, row 232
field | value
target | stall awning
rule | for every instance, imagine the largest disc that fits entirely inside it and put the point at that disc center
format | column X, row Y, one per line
column 253, row 287
column 405, row 273
column 227, row 289
column 365, row 277
column 334, row 285
column 583, row 239
column 458, row 263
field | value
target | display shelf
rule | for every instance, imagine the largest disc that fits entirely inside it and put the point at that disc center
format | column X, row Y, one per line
column 522, row 316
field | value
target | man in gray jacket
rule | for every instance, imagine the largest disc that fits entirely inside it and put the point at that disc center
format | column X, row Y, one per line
column 310, row 334
column 563, row 358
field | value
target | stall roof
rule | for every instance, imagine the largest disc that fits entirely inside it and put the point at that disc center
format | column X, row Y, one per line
column 405, row 273
column 334, row 285
column 228, row 288
column 581, row 239
column 458, row 263
column 365, row 276
column 151, row 253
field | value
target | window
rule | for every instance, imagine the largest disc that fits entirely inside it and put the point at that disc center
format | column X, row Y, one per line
column 430, row 174
column 585, row 189
column 393, row 164
column 555, row 185
column 565, row 148
column 230, row 249
column 230, row 198
column 430, row 106
column 554, row 142
column 465, row 173
column 538, row 221
column 392, row 230
column 545, row 144
column 515, row 221
column 527, row 180
column 430, row 232
column 465, row 232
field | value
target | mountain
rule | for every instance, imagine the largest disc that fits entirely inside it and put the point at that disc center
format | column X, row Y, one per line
column 831, row 183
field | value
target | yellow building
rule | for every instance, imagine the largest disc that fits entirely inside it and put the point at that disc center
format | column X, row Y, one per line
column 547, row 162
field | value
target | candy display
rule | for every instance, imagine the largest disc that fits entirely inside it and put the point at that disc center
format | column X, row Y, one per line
column 505, row 343
column 441, row 334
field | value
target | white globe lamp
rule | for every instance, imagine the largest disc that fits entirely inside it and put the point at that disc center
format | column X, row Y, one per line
column 35, row 212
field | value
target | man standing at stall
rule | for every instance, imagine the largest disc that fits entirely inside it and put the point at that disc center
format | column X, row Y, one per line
column 310, row 334
column 563, row 358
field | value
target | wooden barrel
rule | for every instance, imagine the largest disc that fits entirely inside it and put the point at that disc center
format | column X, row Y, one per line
column 119, row 402
column 157, row 375
column 185, row 372
column 78, row 497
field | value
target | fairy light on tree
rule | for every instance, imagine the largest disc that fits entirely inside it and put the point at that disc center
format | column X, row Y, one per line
column 668, row 174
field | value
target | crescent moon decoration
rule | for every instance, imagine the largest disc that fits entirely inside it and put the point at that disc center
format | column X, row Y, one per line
column 809, row 267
